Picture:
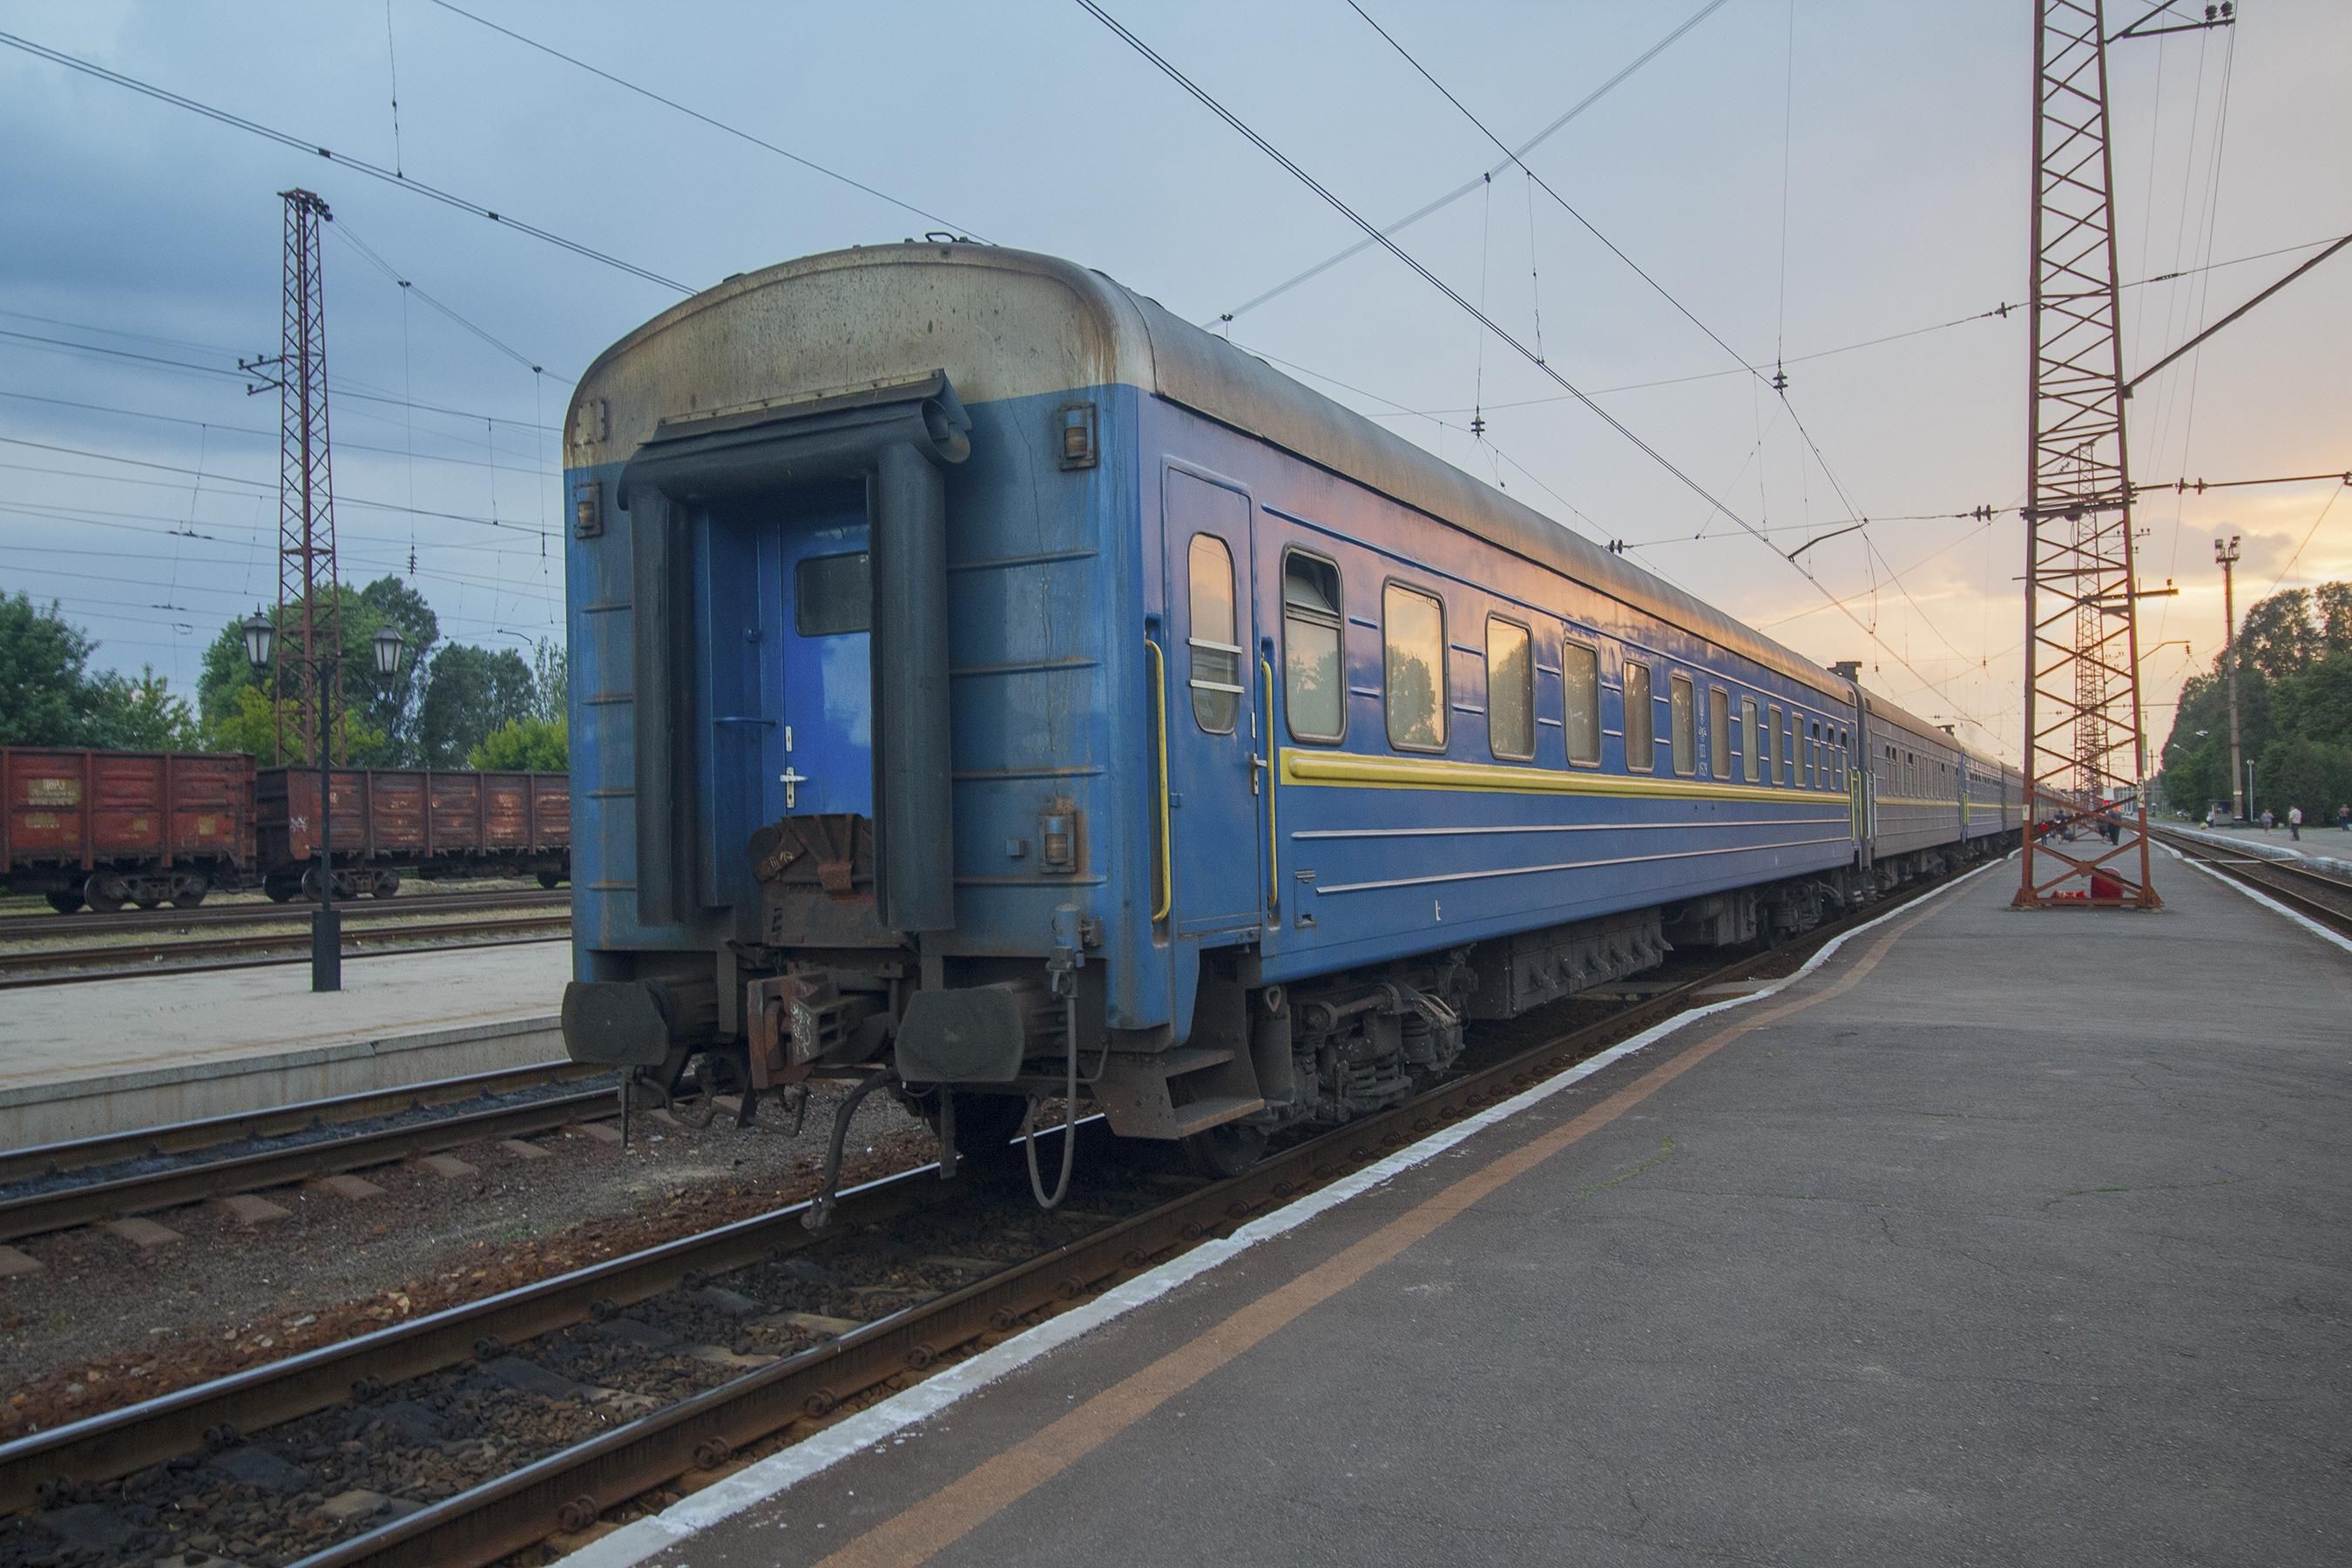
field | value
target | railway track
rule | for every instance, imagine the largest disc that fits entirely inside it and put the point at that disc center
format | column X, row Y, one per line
column 204, row 954
column 104, row 1149
column 44, row 926
column 777, row 1381
column 2322, row 898
column 64, row 1207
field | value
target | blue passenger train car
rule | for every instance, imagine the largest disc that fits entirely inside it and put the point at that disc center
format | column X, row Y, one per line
column 978, row 672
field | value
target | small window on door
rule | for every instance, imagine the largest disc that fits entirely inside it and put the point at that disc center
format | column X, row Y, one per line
column 1580, row 681
column 832, row 594
column 1641, row 738
column 1750, row 746
column 1413, row 632
column 1719, row 732
column 1772, row 773
column 1510, row 691
column 1682, row 709
column 1217, row 651
column 1789, row 747
column 1314, row 684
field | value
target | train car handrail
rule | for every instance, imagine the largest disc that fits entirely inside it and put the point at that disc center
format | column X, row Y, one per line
column 1167, row 849
column 1273, row 857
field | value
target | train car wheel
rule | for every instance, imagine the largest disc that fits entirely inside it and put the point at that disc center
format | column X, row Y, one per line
column 384, row 885
column 65, row 903
column 549, row 881
column 106, row 894
column 1225, row 1151
column 278, row 890
column 187, row 892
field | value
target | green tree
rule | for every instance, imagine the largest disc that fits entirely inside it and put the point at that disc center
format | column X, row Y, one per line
column 468, row 692
column 385, row 711
column 2296, row 772
column 551, row 679
column 44, row 661
column 541, row 745
column 50, row 698
column 2277, row 639
column 2316, row 704
column 251, row 726
column 2334, row 601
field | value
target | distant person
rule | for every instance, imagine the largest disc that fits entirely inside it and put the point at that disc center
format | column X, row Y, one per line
column 2343, row 817
column 2211, row 811
column 2295, row 823
column 2266, row 822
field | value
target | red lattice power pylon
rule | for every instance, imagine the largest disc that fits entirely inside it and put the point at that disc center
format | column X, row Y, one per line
column 2082, row 741
column 310, row 611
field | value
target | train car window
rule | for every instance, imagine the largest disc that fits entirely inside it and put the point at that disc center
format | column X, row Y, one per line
column 1641, row 739
column 1788, row 749
column 1412, row 630
column 1772, row 743
column 1510, row 691
column 1817, row 766
column 1580, row 681
column 1749, row 750
column 1314, row 683
column 832, row 594
column 1216, row 652
column 1719, row 731
column 1682, row 710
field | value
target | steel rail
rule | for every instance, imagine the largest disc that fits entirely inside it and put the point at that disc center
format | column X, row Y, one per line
column 2322, row 898
column 41, row 1212
column 566, row 1490
column 42, row 925
column 17, row 962
column 277, row 1120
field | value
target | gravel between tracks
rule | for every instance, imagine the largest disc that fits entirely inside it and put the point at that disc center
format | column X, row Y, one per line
column 106, row 1324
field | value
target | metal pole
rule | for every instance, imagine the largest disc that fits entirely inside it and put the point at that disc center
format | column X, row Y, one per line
column 2230, row 658
column 326, row 922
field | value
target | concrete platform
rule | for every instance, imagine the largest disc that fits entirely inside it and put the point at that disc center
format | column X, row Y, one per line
column 2327, row 849
column 113, row 1054
column 1997, row 1239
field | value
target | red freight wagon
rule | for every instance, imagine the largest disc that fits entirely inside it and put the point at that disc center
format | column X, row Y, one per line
column 443, row 825
column 110, row 828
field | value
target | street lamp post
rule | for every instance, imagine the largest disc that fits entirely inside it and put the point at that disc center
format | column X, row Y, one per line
column 326, row 920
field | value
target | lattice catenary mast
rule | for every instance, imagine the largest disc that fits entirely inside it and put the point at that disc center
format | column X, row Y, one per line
column 310, row 612
column 2084, row 751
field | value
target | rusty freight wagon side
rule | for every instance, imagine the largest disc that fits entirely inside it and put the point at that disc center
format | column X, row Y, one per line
column 439, row 825
column 110, row 828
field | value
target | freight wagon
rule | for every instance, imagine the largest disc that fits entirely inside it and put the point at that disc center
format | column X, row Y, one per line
column 110, row 828
column 440, row 825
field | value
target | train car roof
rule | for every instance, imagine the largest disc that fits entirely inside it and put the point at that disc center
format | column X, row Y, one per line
column 1124, row 337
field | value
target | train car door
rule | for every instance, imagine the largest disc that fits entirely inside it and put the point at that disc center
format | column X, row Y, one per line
column 1218, row 751
column 828, row 676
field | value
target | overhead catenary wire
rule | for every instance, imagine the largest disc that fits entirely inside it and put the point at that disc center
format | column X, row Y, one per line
column 343, row 160
column 1456, row 194
column 1377, row 236
column 716, row 124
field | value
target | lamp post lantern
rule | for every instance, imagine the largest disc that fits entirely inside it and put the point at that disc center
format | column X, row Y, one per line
column 326, row 920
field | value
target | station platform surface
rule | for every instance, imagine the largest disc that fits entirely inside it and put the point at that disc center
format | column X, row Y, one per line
column 1998, row 1238
column 2328, row 849
column 108, row 1056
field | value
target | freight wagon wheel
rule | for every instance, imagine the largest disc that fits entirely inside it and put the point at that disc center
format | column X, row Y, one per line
column 1225, row 1151
column 105, row 893
column 384, row 885
column 549, row 881
column 65, row 903
column 187, row 892
column 278, row 890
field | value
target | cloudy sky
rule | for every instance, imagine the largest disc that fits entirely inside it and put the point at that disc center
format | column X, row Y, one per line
column 1839, row 187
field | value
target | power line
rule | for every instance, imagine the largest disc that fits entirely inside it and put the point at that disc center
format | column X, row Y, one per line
column 358, row 166
column 343, row 229
column 1450, row 197
column 269, row 435
column 243, row 376
column 696, row 114
column 1209, row 101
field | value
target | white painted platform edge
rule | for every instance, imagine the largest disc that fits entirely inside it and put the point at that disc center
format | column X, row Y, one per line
column 2306, row 922
column 640, row 1538
column 262, row 1059
column 2284, row 852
